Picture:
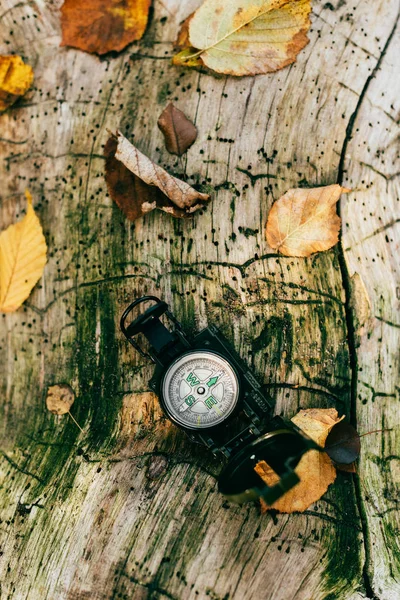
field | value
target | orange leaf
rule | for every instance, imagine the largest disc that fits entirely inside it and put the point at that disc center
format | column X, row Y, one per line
column 101, row 26
column 304, row 221
column 15, row 80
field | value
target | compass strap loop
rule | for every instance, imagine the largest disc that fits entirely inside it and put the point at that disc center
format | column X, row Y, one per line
column 149, row 324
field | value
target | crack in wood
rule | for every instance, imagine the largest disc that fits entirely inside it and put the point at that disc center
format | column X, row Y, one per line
column 352, row 344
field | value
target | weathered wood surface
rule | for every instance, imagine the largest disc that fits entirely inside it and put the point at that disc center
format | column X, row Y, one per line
column 129, row 508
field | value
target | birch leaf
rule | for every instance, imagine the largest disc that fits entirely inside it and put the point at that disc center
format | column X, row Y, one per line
column 245, row 37
column 180, row 193
column 304, row 221
column 179, row 132
column 15, row 80
column 315, row 469
column 22, row 259
column 101, row 26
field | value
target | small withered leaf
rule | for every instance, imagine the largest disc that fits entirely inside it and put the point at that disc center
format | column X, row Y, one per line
column 304, row 221
column 136, row 197
column 343, row 444
column 101, row 26
column 179, row 132
column 60, row 398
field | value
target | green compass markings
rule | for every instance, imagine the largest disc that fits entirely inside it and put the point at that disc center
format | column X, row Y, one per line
column 214, row 379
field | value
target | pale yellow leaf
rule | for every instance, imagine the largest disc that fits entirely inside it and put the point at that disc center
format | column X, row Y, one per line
column 315, row 469
column 22, row 259
column 304, row 221
column 245, row 37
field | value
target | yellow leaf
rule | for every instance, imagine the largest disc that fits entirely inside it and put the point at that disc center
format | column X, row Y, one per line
column 246, row 37
column 304, row 221
column 315, row 469
column 22, row 259
column 15, row 80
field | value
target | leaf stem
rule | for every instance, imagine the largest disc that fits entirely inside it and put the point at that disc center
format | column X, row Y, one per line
column 76, row 422
column 375, row 431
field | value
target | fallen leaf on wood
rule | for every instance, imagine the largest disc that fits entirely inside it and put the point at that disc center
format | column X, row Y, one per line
column 245, row 37
column 15, row 80
column 315, row 469
column 101, row 26
column 22, row 259
column 60, row 398
column 343, row 444
column 179, row 132
column 139, row 186
column 304, row 221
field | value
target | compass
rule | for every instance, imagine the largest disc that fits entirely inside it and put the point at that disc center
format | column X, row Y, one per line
column 200, row 390
column 208, row 391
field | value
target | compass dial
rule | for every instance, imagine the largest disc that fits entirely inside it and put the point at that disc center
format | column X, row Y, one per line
column 200, row 390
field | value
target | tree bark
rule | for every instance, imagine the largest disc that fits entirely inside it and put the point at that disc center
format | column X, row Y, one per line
column 129, row 508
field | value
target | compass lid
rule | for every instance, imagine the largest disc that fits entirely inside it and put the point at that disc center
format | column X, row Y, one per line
column 281, row 449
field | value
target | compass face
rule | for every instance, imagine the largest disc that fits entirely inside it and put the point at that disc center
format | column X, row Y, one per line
column 200, row 390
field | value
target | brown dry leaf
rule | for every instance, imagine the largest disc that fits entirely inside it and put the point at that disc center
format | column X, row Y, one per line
column 60, row 398
column 133, row 196
column 101, row 26
column 304, row 221
column 179, row 132
column 15, row 80
column 244, row 37
column 22, row 259
column 315, row 469
column 146, row 186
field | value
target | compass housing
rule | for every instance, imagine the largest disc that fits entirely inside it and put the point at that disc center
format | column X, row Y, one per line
column 202, row 384
column 200, row 390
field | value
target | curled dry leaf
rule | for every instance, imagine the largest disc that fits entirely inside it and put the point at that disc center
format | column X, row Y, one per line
column 343, row 444
column 22, row 259
column 179, row 132
column 60, row 398
column 304, row 221
column 139, row 186
column 101, row 26
column 15, row 80
column 244, row 37
column 315, row 469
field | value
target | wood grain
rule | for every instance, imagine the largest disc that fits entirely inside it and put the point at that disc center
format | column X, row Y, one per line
column 129, row 509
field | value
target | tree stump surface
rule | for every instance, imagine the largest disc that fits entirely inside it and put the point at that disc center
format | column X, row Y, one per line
column 129, row 508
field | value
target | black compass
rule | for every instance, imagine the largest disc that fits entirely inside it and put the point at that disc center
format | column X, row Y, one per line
column 208, row 391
